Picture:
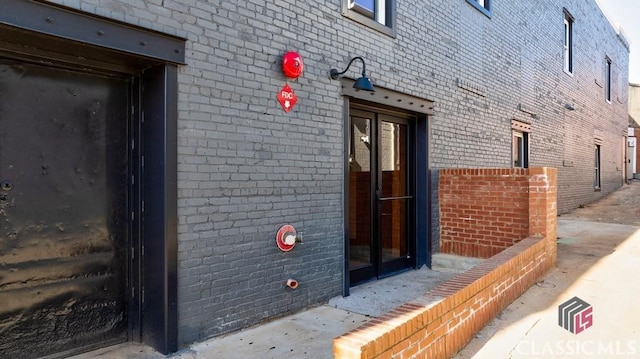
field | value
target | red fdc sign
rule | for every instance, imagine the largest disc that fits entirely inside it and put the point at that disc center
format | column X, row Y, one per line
column 287, row 98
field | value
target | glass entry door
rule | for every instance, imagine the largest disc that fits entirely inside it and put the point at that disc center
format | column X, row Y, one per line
column 381, row 195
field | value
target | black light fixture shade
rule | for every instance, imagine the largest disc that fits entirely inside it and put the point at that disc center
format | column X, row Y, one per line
column 363, row 83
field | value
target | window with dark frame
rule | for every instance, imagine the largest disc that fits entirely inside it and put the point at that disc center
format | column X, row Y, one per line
column 596, row 180
column 377, row 14
column 607, row 85
column 520, row 144
column 520, row 149
column 484, row 6
column 568, row 42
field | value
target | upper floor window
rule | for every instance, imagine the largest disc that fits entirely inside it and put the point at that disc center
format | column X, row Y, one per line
column 377, row 14
column 520, row 149
column 483, row 5
column 568, row 42
column 607, row 82
column 520, row 144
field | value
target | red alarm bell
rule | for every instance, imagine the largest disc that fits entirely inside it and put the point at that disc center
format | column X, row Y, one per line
column 292, row 65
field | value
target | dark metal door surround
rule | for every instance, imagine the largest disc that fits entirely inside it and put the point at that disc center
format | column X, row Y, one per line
column 61, row 37
column 381, row 195
column 63, row 210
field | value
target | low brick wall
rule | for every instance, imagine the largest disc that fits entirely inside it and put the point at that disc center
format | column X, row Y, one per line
column 445, row 319
column 483, row 211
column 441, row 322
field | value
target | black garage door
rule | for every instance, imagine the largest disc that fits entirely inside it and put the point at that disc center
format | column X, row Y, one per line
column 63, row 210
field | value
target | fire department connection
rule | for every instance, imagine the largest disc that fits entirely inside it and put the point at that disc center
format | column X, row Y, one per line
column 286, row 239
column 292, row 67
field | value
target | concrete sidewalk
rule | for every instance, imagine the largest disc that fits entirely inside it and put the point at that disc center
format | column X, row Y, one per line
column 598, row 263
column 308, row 334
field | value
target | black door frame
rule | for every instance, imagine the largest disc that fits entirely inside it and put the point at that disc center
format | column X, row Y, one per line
column 395, row 101
column 32, row 31
column 399, row 264
column 380, row 269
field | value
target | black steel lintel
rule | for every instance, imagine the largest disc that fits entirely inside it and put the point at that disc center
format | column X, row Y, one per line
column 72, row 24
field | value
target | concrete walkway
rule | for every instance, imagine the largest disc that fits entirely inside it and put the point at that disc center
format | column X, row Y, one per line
column 308, row 334
column 598, row 262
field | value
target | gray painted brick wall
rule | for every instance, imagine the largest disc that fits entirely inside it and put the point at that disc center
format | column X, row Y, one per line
column 246, row 167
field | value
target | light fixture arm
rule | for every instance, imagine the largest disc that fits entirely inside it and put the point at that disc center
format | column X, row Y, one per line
column 361, row 84
column 335, row 74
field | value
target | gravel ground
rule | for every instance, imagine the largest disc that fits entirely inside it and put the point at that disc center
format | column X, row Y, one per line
column 620, row 207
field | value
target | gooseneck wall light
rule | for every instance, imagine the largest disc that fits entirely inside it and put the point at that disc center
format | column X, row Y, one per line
column 363, row 83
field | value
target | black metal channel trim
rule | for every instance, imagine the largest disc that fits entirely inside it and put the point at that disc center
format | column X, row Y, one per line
column 75, row 25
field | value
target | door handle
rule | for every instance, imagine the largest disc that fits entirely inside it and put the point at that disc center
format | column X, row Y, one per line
column 394, row 198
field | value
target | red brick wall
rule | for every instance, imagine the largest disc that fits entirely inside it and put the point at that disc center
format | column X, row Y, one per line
column 445, row 319
column 483, row 211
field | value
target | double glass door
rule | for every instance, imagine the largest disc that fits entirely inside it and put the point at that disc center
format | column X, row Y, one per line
column 381, row 195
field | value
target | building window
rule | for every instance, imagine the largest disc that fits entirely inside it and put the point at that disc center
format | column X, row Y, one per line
column 596, row 180
column 377, row 14
column 607, row 83
column 368, row 8
column 520, row 149
column 568, row 42
column 484, row 6
column 520, row 144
